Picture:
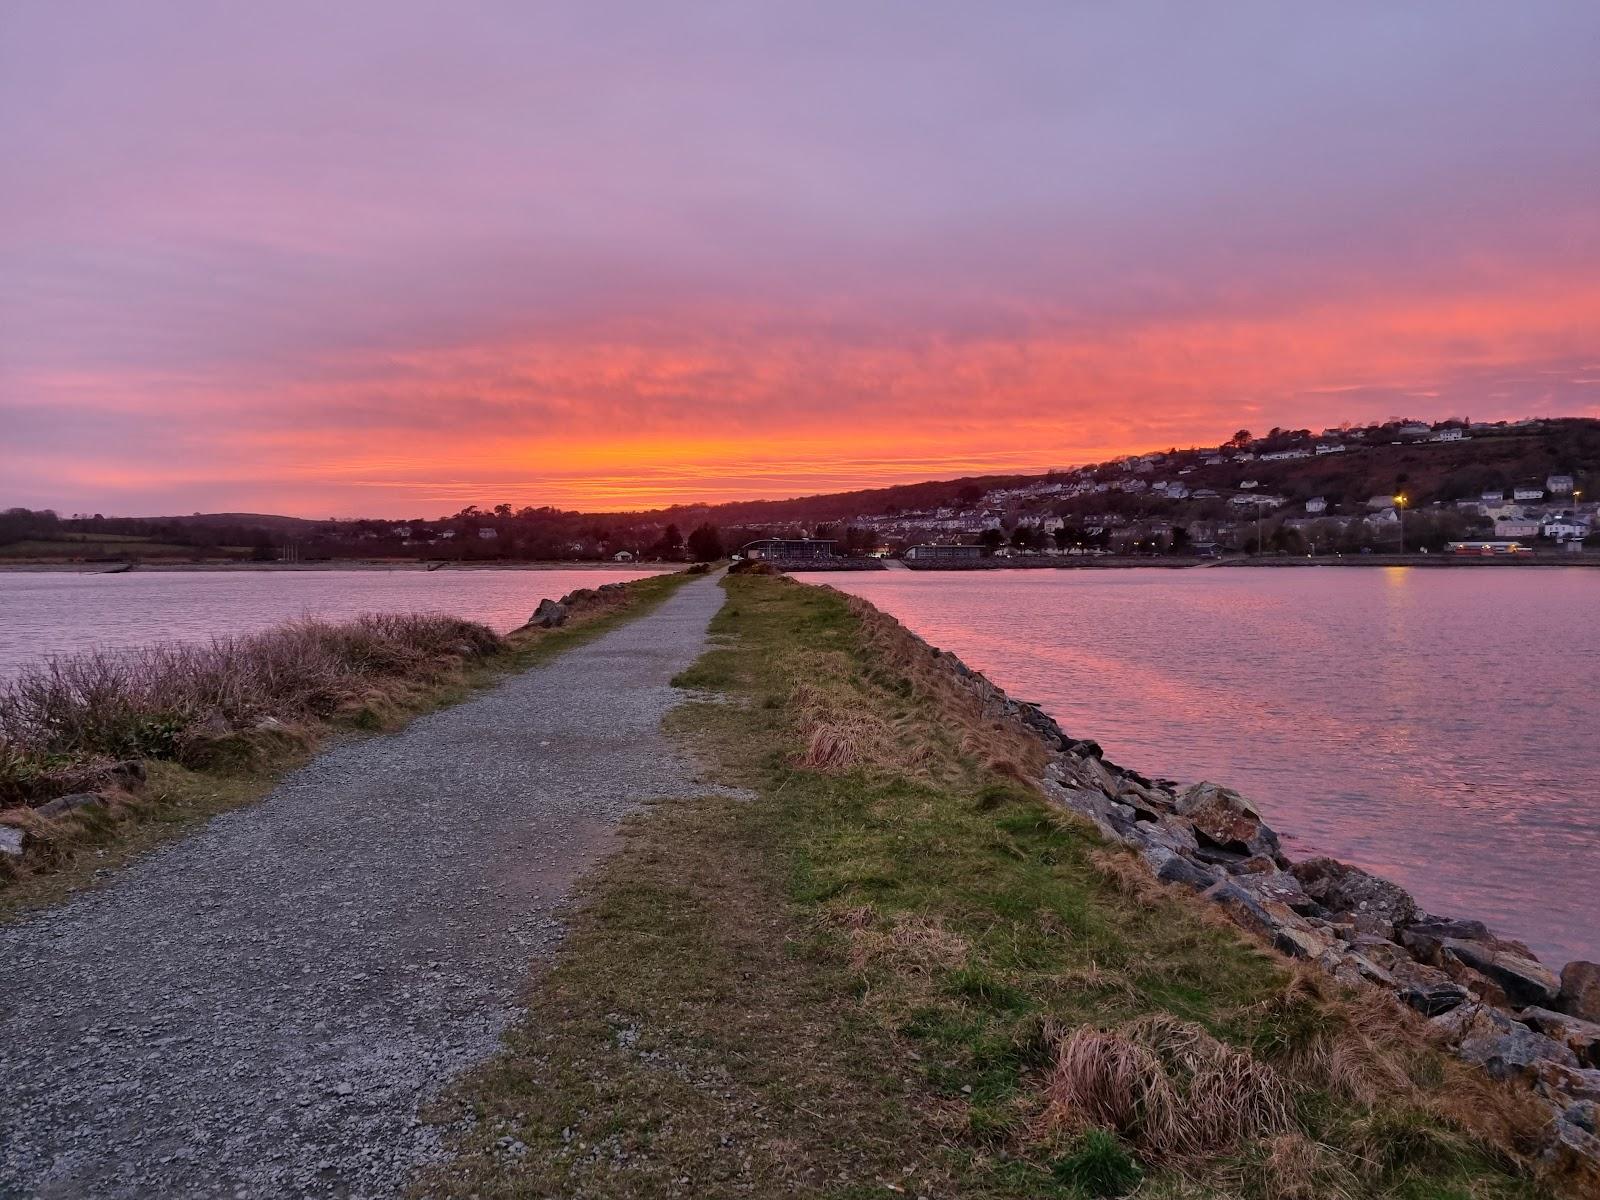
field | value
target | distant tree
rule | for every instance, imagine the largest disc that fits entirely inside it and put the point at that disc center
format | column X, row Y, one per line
column 1239, row 440
column 669, row 544
column 502, row 511
column 1063, row 537
column 991, row 539
column 970, row 495
column 1023, row 536
column 705, row 544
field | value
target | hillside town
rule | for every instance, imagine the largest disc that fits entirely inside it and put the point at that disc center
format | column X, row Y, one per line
column 1265, row 495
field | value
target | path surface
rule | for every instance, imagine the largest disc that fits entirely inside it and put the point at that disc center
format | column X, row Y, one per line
column 258, row 1010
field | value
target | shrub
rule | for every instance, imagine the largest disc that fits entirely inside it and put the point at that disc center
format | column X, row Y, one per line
column 68, row 717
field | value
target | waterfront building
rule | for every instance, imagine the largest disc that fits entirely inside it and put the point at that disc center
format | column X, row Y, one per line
column 789, row 549
column 935, row 553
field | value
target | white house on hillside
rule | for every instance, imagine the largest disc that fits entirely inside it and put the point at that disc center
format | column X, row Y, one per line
column 1316, row 504
column 1559, row 485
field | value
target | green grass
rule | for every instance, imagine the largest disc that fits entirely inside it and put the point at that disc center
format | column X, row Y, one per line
column 853, row 981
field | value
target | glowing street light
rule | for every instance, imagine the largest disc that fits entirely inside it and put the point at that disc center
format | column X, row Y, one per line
column 1400, row 507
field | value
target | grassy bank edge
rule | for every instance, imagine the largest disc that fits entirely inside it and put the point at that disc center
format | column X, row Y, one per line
column 175, row 799
column 855, row 980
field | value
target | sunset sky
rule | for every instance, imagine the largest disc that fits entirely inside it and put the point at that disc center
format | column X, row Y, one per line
column 388, row 258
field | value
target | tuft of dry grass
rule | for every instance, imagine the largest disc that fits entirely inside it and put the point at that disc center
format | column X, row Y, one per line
column 1172, row 1090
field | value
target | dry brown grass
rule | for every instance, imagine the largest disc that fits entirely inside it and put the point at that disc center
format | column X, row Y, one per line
column 1167, row 1086
column 907, row 943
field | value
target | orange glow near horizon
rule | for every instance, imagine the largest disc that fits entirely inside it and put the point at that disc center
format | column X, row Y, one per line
column 600, row 420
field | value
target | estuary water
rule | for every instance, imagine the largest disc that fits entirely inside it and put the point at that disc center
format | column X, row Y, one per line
column 58, row 612
column 1440, row 727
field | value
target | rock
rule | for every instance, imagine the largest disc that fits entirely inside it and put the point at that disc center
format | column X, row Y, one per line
column 1524, row 980
column 130, row 774
column 1580, row 990
column 1172, row 867
column 11, row 841
column 1566, row 1084
column 1367, row 970
column 1114, row 821
column 549, row 614
column 1168, row 833
column 1342, row 888
column 1225, row 818
column 1580, row 1036
column 1501, row 1046
column 1572, row 1151
column 1423, row 936
column 1427, row 989
column 1272, row 887
column 1245, row 910
column 1084, row 748
column 1300, row 941
column 65, row 804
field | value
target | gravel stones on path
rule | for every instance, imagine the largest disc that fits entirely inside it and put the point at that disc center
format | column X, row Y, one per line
column 260, row 1009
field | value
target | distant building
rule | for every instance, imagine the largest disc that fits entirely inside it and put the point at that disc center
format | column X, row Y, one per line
column 1330, row 448
column 1516, row 527
column 1493, row 496
column 932, row 553
column 622, row 556
column 488, row 535
column 1527, row 491
column 1284, row 455
column 1452, row 434
column 1379, row 502
column 1316, row 505
column 789, row 549
column 1565, row 528
column 1414, row 429
column 1559, row 485
column 1250, row 483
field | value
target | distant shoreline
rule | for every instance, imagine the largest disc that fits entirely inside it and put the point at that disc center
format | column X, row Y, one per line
column 104, row 568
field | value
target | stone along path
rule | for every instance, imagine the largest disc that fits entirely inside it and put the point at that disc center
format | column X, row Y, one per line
column 259, row 1010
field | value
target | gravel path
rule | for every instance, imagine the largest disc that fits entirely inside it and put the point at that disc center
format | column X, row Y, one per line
column 259, row 1009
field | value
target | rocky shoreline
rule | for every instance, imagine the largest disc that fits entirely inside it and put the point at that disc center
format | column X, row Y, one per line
column 1485, row 998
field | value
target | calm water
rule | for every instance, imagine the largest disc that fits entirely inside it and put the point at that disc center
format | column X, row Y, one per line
column 1436, row 726
column 59, row 613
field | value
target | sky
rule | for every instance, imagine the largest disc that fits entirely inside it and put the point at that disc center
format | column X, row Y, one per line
column 390, row 257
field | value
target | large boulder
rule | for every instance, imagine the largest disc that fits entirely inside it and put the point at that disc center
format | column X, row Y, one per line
column 1226, row 819
column 62, row 805
column 549, row 614
column 1580, row 990
column 1523, row 980
column 1427, row 989
column 1342, row 888
column 1504, row 1048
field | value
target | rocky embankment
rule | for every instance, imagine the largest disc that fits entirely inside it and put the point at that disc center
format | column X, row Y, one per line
column 1486, row 998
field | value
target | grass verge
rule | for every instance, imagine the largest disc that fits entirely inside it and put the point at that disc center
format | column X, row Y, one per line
column 889, row 968
column 215, row 727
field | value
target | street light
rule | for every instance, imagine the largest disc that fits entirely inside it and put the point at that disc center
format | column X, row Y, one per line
column 1400, row 507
